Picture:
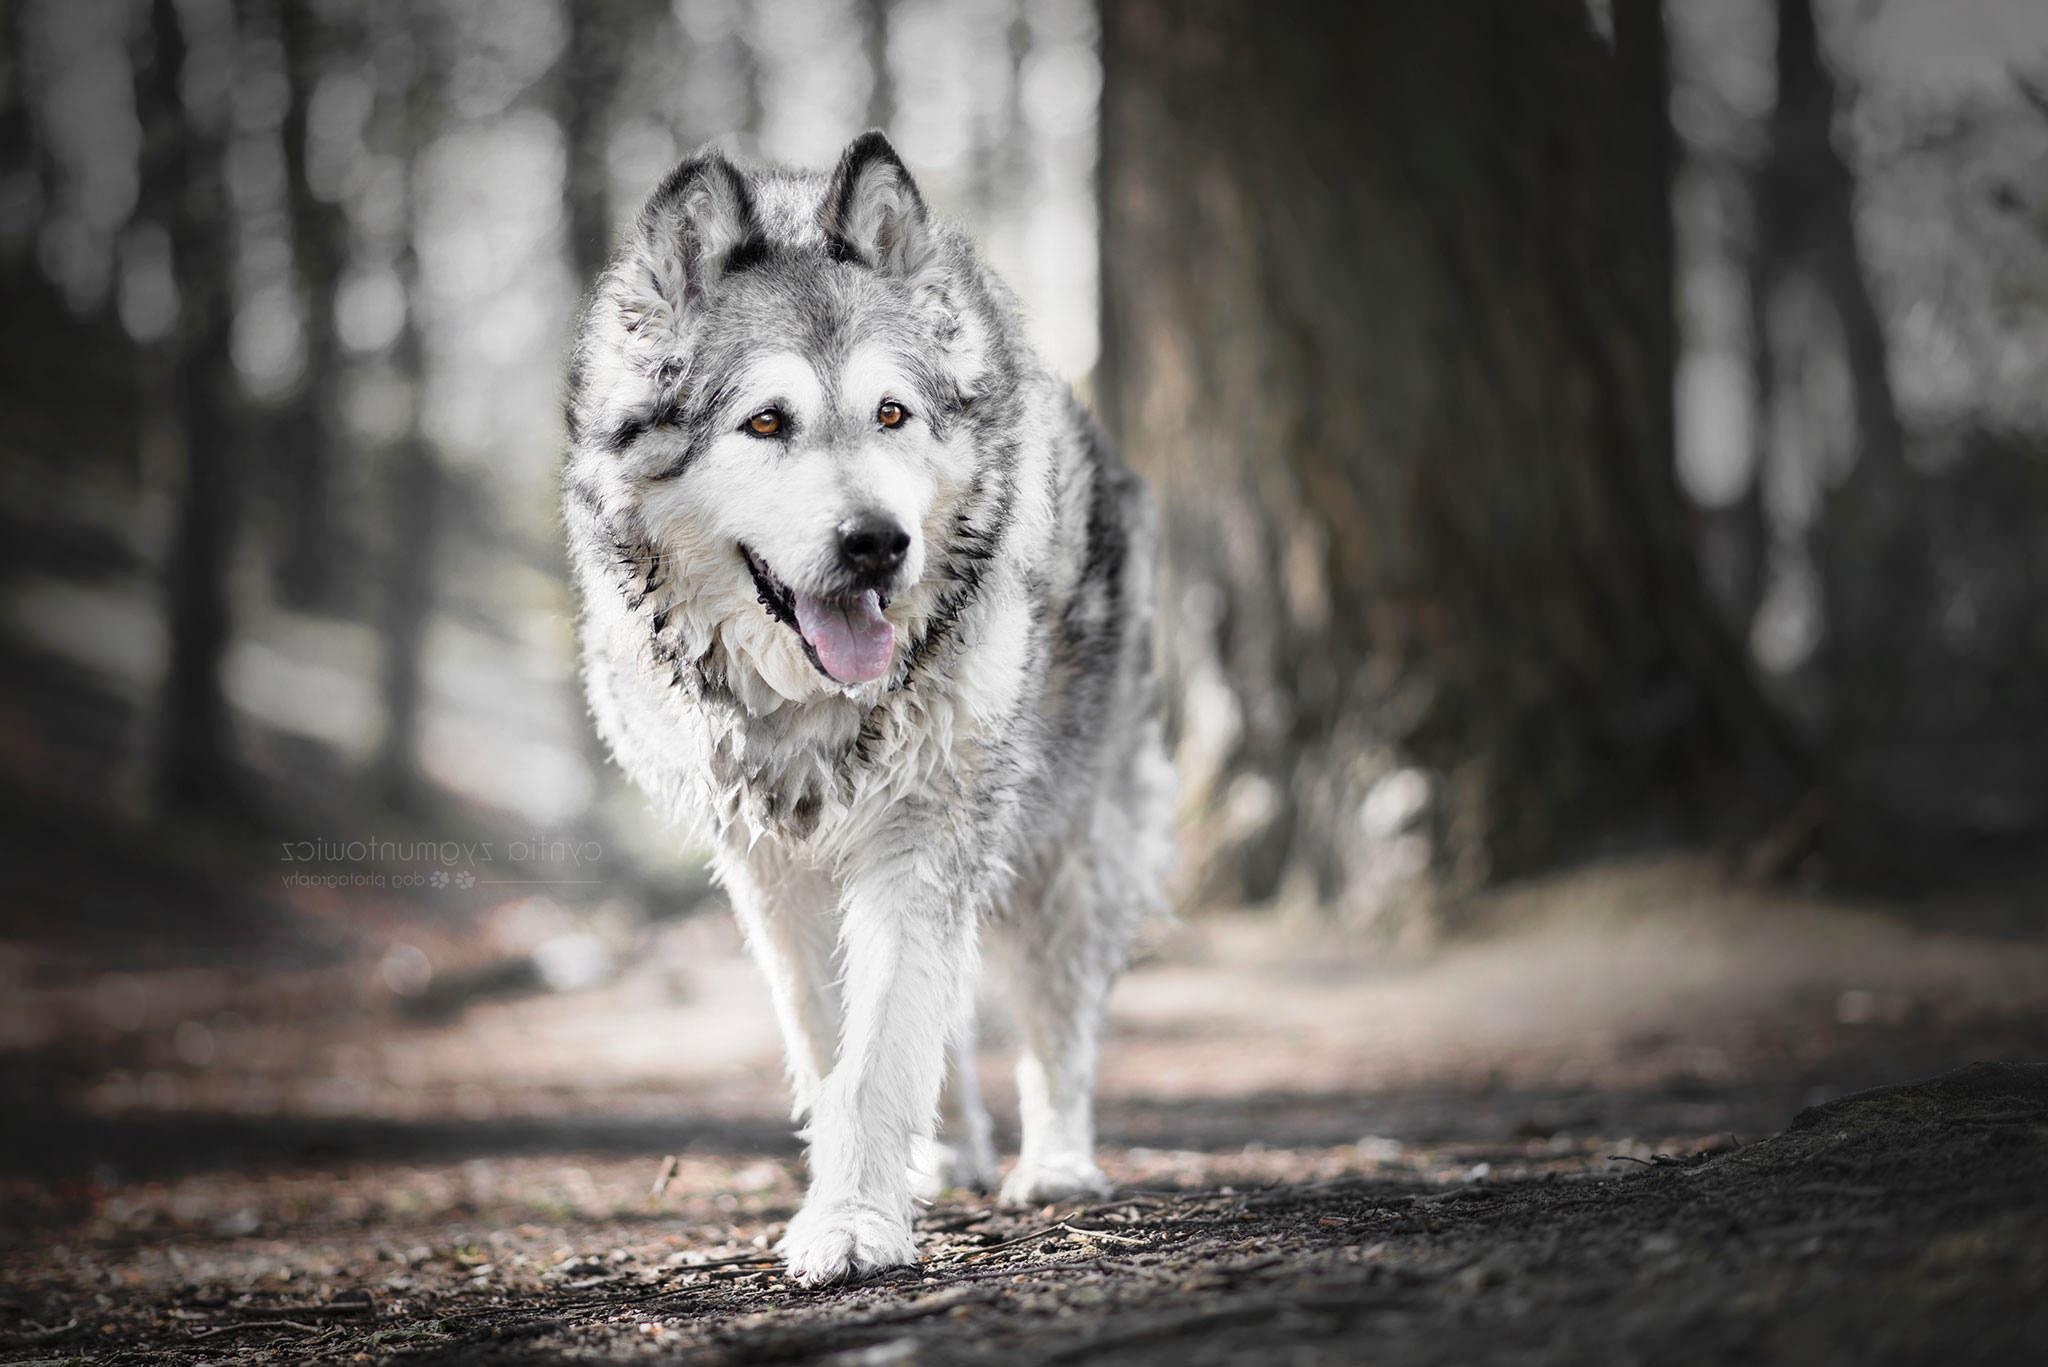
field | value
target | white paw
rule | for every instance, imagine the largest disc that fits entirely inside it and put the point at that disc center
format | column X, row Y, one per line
column 828, row 1241
column 937, row 1167
column 1056, row 1179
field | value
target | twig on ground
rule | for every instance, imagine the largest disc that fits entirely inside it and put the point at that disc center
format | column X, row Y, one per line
column 738, row 1260
column 239, row 1325
column 36, row 1333
column 738, row 1273
column 1102, row 1236
column 970, row 1254
column 2003, row 1117
column 328, row 1308
column 1130, row 1201
column 951, row 1224
column 665, row 1176
column 960, row 1276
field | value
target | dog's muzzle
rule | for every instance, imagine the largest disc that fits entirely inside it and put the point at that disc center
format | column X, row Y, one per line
column 844, row 632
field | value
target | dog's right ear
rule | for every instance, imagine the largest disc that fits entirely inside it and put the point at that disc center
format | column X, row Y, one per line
column 690, row 227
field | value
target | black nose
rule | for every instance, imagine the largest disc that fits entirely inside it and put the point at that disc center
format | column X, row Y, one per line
column 871, row 545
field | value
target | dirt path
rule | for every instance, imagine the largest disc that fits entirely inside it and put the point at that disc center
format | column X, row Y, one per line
column 1891, row 1228
column 1320, row 1159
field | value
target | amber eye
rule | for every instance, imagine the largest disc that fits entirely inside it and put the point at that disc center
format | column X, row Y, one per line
column 891, row 413
column 765, row 423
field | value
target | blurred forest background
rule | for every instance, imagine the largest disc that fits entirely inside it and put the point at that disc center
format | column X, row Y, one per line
column 1604, row 459
column 1581, row 431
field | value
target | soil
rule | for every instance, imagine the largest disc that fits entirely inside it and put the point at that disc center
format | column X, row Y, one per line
column 1622, row 1122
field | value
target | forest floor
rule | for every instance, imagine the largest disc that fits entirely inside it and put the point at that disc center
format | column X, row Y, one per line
column 1609, row 1124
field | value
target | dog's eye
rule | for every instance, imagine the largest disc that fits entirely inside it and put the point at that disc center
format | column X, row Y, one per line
column 766, row 423
column 891, row 413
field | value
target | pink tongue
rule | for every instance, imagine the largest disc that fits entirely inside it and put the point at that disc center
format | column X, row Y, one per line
column 852, row 638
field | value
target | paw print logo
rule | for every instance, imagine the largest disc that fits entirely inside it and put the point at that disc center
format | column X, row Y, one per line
column 465, row 879
column 438, row 878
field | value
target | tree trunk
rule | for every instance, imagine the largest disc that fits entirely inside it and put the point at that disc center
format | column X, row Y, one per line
column 309, row 556
column 1387, row 325
column 412, row 478
column 1647, row 142
column 1830, row 411
column 22, row 193
column 183, row 182
column 874, row 33
column 591, row 61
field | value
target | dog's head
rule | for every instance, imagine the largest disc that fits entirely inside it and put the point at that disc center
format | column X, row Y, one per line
column 771, row 389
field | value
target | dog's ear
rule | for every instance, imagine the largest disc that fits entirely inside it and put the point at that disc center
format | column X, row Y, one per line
column 691, row 226
column 873, row 214
column 872, row 211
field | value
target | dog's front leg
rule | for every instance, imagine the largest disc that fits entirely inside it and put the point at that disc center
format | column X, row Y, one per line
column 908, row 950
column 789, row 912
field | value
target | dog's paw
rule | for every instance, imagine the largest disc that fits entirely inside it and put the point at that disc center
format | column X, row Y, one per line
column 835, row 1240
column 1058, row 1179
column 937, row 1167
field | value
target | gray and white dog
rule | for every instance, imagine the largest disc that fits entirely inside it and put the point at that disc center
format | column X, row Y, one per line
column 869, row 601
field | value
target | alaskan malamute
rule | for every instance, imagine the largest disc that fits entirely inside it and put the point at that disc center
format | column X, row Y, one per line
column 869, row 601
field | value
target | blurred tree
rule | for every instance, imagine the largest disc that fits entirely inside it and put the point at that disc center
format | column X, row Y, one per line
column 412, row 481
column 1387, row 322
column 591, row 64
column 1825, row 402
column 48, row 427
column 314, row 432
column 874, row 19
column 22, row 193
column 1642, row 63
column 746, row 58
column 183, row 189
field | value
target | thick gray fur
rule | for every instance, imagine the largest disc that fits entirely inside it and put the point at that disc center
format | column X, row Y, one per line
column 1003, row 785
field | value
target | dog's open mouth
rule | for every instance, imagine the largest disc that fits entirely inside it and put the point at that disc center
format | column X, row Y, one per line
column 844, row 635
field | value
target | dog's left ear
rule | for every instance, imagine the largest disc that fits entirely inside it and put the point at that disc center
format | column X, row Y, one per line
column 873, row 211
